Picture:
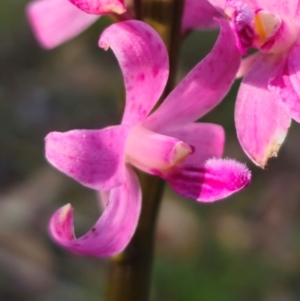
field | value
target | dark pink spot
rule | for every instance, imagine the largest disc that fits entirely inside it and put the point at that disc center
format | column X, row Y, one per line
column 155, row 71
column 141, row 77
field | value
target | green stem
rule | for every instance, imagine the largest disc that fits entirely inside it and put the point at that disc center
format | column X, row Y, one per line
column 130, row 272
column 165, row 17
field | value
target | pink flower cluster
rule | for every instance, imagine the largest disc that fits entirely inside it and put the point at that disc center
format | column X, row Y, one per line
column 168, row 142
column 269, row 95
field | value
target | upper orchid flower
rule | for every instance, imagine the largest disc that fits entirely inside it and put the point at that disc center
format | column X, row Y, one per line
column 166, row 143
column 56, row 21
column 269, row 95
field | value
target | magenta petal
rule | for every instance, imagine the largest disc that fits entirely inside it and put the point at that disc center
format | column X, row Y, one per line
column 199, row 14
column 293, row 64
column 95, row 158
column 284, row 91
column 203, row 88
column 219, row 4
column 103, row 198
column 291, row 80
column 113, row 230
column 246, row 64
column 57, row 21
column 261, row 123
column 214, row 180
column 147, row 148
column 100, row 7
column 207, row 140
column 144, row 62
column 287, row 8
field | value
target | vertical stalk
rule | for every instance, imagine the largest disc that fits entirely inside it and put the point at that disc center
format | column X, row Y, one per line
column 137, row 6
column 165, row 16
column 130, row 272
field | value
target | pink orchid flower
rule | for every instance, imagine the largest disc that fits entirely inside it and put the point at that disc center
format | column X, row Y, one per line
column 269, row 95
column 57, row 21
column 167, row 143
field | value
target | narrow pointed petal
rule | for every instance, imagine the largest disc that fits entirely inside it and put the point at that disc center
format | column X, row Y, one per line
column 100, row 7
column 214, row 180
column 261, row 123
column 95, row 158
column 283, row 89
column 144, row 62
column 207, row 140
column 203, row 88
column 113, row 230
column 57, row 21
column 199, row 14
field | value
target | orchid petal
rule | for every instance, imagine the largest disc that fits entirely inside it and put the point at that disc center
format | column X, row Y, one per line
column 222, row 4
column 57, row 21
column 207, row 140
column 283, row 89
column 95, row 158
column 199, row 14
column 287, row 8
column 218, row 4
column 197, row 94
column 154, row 150
column 103, row 198
column 100, row 7
column 144, row 62
column 261, row 123
column 246, row 64
column 214, row 180
column 294, row 66
column 113, row 230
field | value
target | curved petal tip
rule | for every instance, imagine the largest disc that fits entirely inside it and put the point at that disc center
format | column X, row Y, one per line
column 61, row 223
column 114, row 228
column 144, row 62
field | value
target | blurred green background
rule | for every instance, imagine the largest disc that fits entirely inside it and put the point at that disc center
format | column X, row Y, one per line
column 245, row 248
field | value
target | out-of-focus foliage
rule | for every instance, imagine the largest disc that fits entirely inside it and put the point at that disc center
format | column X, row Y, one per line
column 242, row 249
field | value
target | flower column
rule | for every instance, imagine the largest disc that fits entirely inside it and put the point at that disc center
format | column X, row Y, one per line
column 130, row 272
